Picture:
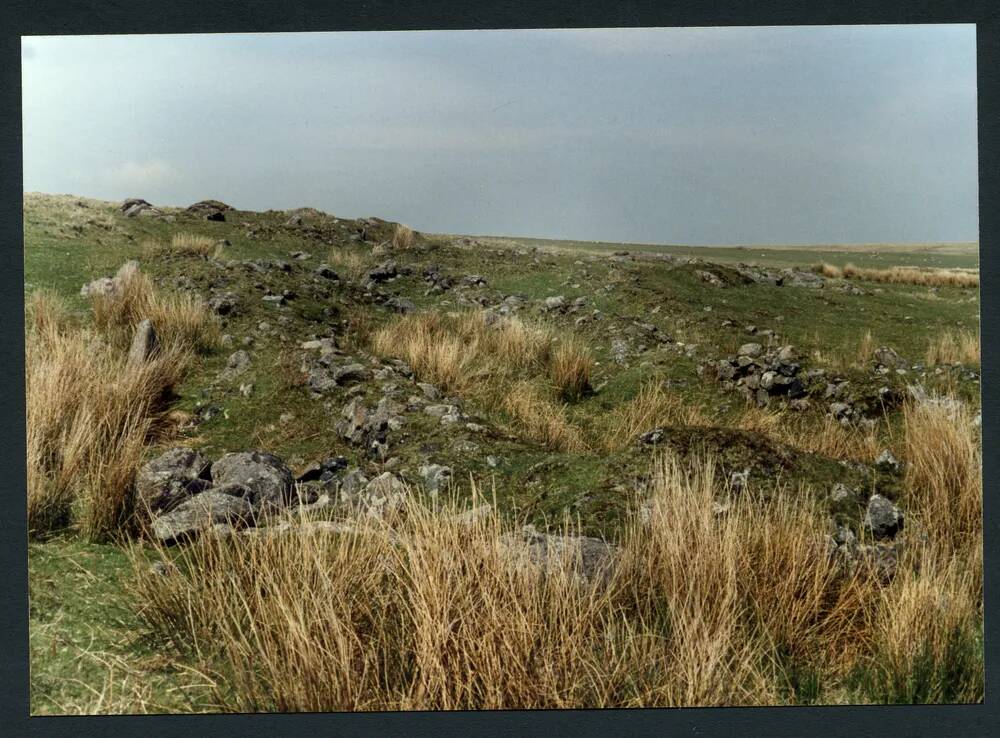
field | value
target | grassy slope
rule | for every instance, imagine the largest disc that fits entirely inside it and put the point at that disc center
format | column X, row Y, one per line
column 67, row 244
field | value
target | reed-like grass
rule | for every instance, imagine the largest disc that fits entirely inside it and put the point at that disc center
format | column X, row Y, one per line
column 954, row 347
column 904, row 275
column 90, row 412
column 499, row 362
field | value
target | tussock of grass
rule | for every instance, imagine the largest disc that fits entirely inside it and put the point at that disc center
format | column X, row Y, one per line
column 90, row 412
column 823, row 436
column 653, row 406
column 493, row 361
column 570, row 368
column 904, row 275
column 182, row 244
column 944, row 476
column 178, row 319
column 436, row 613
column 954, row 347
column 403, row 237
column 541, row 419
column 928, row 638
column 349, row 263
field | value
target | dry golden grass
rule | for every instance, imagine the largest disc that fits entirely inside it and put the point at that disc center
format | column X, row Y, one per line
column 180, row 320
column 845, row 358
column 439, row 613
column 927, row 633
column 349, row 263
column 90, row 412
column 823, row 436
column 866, row 349
column 182, row 244
column 954, row 347
column 944, row 475
column 927, row 637
column 540, row 419
column 570, row 368
column 403, row 237
column 904, row 275
column 493, row 361
column 433, row 347
column 653, row 406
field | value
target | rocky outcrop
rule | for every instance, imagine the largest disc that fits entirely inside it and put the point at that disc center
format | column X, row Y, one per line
column 209, row 209
column 135, row 207
column 882, row 518
column 200, row 513
column 144, row 343
column 763, row 375
column 264, row 475
column 170, row 478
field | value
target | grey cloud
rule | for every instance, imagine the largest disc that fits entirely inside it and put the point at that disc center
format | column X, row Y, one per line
column 665, row 135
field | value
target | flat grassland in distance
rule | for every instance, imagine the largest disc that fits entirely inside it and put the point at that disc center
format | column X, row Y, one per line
column 875, row 255
column 620, row 390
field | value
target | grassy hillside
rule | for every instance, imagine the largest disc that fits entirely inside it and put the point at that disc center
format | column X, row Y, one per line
column 533, row 370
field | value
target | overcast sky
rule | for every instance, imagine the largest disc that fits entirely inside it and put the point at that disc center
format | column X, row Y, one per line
column 701, row 136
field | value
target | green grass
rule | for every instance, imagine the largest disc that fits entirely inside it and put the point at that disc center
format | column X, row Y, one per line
column 87, row 649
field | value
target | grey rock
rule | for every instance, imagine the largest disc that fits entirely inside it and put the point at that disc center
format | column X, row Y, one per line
column 385, row 494
column 882, row 518
column 584, row 556
column 265, row 475
column 225, row 304
column 435, row 477
column 889, row 358
column 440, row 410
column 144, row 343
column 554, row 303
column 753, row 350
column 199, row 513
column 104, row 286
column 352, row 483
column 886, row 461
column 400, row 305
column 841, row 492
column 237, row 363
column 171, row 477
column 430, row 391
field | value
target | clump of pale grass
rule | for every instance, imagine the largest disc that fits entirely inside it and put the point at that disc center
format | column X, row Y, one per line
column 182, row 244
column 350, row 263
column 570, row 368
column 403, row 237
column 954, row 347
column 494, row 360
column 824, row 436
column 944, row 474
column 541, row 419
column 904, row 275
column 439, row 611
column 927, row 644
column 179, row 319
column 653, row 406
column 739, row 588
column 90, row 412
column 866, row 348
column 428, row 344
